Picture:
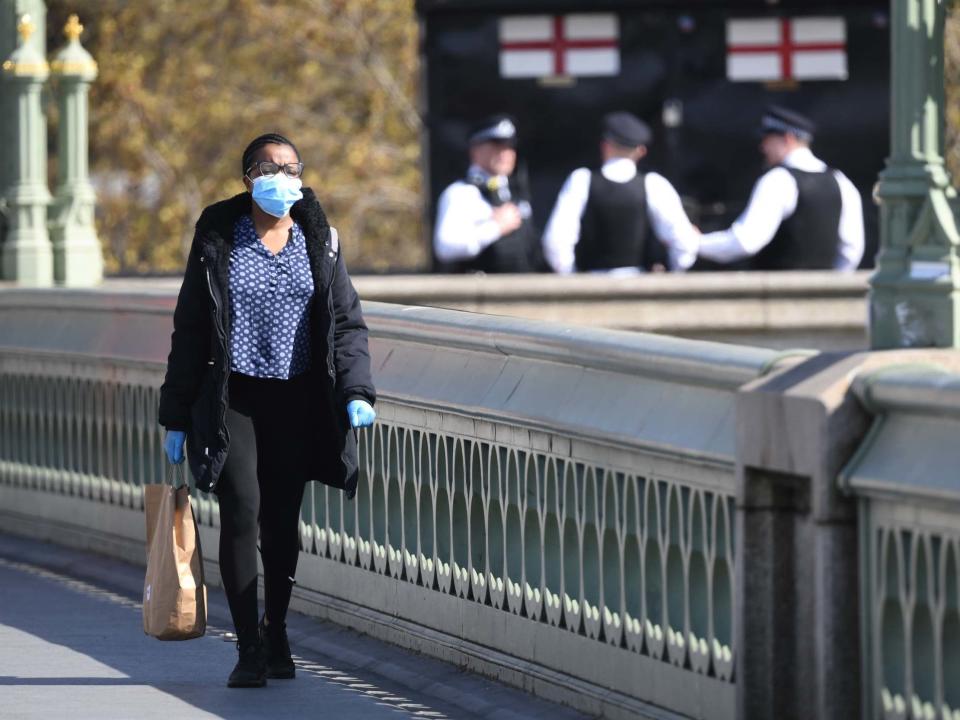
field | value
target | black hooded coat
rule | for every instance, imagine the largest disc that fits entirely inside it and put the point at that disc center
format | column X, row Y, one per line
column 194, row 395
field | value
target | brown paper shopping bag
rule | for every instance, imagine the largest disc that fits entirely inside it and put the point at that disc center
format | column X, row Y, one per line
column 174, row 594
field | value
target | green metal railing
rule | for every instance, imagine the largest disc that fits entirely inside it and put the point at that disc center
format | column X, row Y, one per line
column 906, row 479
column 552, row 507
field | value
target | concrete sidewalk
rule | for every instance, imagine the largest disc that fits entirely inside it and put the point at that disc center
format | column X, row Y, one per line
column 72, row 646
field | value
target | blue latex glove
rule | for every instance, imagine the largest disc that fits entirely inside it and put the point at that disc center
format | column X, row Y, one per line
column 361, row 413
column 173, row 446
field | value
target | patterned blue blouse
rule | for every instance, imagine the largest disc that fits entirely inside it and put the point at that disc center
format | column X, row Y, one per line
column 269, row 304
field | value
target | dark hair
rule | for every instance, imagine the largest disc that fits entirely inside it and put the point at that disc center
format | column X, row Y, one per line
column 267, row 139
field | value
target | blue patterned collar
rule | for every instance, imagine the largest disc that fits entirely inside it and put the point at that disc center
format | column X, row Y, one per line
column 245, row 233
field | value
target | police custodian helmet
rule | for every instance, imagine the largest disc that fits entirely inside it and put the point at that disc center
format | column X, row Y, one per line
column 496, row 128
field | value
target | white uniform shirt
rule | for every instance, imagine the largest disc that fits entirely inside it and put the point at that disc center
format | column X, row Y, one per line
column 465, row 225
column 670, row 223
column 773, row 200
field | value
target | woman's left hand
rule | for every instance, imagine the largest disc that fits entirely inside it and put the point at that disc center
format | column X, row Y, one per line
column 361, row 413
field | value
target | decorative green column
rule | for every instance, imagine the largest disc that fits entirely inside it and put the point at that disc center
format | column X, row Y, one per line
column 10, row 12
column 916, row 289
column 27, row 254
column 8, row 43
column 77, row 256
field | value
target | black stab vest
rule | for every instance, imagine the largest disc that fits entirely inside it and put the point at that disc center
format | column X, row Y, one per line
column 810, row 238
column 516, row 252
column 615, row 229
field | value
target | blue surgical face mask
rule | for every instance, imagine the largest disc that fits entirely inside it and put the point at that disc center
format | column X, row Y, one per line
column 276, row 195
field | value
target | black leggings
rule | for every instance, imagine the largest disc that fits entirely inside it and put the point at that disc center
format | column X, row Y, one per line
column 261, row 488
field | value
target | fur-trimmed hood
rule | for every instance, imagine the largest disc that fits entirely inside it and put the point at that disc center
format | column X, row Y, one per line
column 215, row 225
column 214, row 237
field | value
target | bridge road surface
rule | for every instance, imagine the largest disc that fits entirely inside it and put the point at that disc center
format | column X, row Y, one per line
column 72, row 646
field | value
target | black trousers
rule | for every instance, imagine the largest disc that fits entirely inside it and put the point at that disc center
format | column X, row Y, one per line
column 261, row 490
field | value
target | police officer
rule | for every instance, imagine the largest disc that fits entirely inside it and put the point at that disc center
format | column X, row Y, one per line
column 802, row 215
column 484, row 221
column 616, row 219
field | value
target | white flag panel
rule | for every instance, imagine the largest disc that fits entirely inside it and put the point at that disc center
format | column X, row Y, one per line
column 819, row 30
column 755, row 67
column 823, row 65
column 527, row 27
column 591, row 26
column 586, row 63
column 526, row 63
column 753, row 32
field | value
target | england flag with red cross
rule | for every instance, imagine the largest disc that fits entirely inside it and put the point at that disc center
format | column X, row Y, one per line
column 578, row 45
column 773, row 49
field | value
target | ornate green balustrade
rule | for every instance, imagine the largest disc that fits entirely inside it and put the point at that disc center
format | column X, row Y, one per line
column 905, row 476
column 630, row 524
column 554, row 508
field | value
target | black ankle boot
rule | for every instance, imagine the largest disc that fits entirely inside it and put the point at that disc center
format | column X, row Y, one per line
column 276, row 649
column 251, row 668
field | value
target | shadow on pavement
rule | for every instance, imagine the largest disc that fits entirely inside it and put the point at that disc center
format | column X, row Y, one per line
column 75, row 648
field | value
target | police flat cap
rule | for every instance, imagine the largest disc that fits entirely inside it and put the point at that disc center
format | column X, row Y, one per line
column 496, row 128
column 626, row 129
column 780, row 121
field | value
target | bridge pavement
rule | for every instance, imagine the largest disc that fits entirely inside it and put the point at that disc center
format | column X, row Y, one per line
column 71, row 646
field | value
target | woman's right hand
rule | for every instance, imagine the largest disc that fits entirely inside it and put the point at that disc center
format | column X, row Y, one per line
column 173, row 445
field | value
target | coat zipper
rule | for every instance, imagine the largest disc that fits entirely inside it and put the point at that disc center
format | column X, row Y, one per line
column 331, row 370
column 335, row 254
column 221, row 336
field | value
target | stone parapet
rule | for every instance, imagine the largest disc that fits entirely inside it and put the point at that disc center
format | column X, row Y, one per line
column 820, row 310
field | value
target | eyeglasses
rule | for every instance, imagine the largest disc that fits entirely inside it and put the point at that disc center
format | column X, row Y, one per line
column 269, row 169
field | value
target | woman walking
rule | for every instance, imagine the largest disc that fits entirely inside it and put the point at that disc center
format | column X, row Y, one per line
column 267, row 378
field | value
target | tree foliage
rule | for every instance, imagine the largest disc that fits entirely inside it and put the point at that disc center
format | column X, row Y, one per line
column 184, row 85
